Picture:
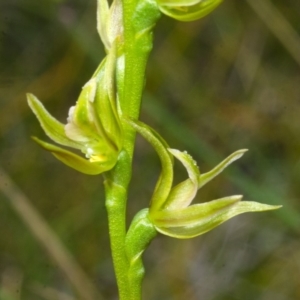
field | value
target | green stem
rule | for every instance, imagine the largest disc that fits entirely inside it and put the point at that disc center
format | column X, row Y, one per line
column 139, row 19
column 137, row 46
column 116, row 187
column 116, row 196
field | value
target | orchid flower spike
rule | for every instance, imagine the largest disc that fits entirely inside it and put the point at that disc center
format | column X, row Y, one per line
column 109, row 22
column 93, row 125
column 187, row 10
column 171, row 211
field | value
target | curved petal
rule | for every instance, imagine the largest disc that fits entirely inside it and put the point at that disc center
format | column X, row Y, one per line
column 165, row 180
column 105, row 106
column 53, row 128
column 183, row 194
column 188, row 162
column 81, row 114
column 75, row 161
column 81, row 126
column 206, row 177
column 194, row 221
column 190, row 13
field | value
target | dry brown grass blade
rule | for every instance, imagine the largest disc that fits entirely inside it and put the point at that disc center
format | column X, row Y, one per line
column 48, row 239
column 278, row 25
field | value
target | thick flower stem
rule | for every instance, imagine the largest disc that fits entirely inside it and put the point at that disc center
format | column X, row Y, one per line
column 137, row 46
column 118, row 179
column 115, row 205
column 116, row 185
column 139, row 19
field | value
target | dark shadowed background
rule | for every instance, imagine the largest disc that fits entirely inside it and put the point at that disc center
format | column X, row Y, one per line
column 227, row 82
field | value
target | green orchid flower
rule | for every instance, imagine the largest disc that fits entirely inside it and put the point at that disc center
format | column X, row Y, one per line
column 171, row 211
column 93, row 125
column 187, row 10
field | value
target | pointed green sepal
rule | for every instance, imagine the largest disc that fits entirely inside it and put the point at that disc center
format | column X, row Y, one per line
column 75, row 161
column 165, row 180
column 201, row 218
column 53, row 128
column 206, row 177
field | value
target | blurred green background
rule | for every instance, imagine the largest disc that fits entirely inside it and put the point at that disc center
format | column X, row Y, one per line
column 229, row 81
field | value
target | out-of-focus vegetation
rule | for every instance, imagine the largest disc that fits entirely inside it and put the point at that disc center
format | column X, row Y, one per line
column 226, row 82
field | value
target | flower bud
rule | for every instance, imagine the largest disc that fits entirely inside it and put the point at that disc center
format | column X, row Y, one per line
column 109, row 22
column 187, row 10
